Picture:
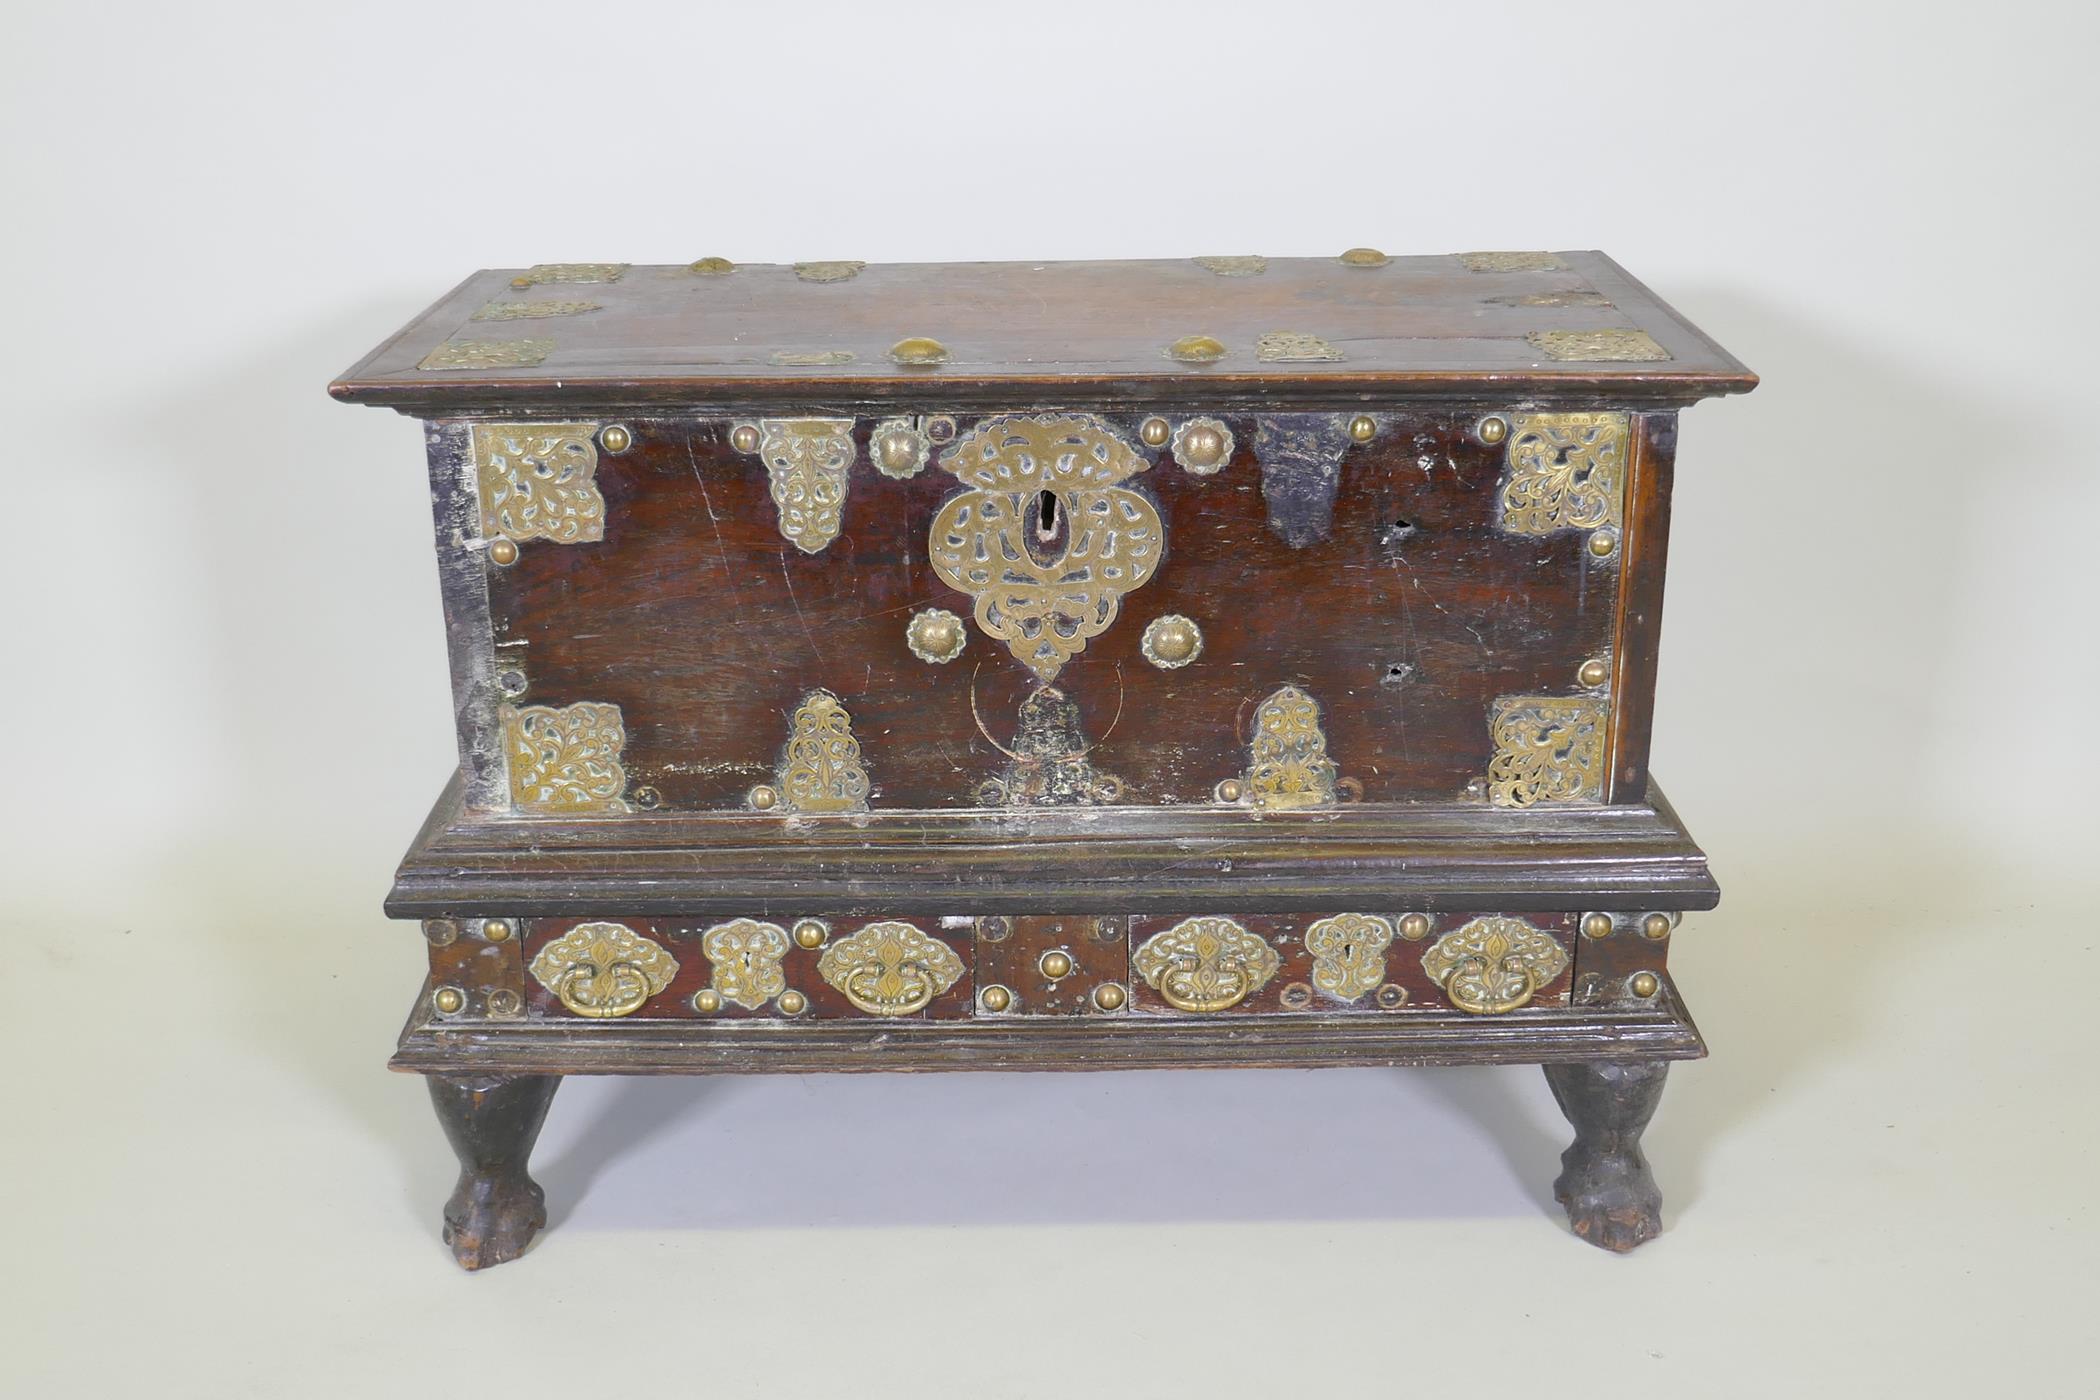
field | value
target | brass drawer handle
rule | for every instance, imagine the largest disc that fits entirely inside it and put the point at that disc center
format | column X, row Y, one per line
column 1205, row 964
column 603, row 970
column 1494, row 964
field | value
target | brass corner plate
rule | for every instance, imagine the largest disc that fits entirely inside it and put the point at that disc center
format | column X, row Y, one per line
column 1512, row 262
column 566, row 761
column 487, row 354
column 1566, row 471
column 1597, row 346
column 1548, row 748
column 604, row 970
column 538, row 481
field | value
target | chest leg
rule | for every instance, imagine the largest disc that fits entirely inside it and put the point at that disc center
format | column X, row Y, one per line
column 1605, row 1184
column 492, row 1124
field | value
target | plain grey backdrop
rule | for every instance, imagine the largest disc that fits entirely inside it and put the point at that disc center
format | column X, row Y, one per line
column 225, row 713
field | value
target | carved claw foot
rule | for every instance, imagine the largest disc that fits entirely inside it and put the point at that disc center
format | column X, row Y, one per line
column 1605, row 1185
column 496, row 1208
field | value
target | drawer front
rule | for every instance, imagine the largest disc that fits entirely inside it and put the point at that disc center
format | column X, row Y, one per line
column 813, row 617
column 786, row 969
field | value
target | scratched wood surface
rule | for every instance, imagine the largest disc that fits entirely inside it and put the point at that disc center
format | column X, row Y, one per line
column 1405, row 619
column 1043, row 333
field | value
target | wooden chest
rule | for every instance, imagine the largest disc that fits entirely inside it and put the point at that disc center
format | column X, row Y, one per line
column 1231, row 661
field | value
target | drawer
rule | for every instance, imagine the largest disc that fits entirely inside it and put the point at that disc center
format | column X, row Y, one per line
column 1018, row 968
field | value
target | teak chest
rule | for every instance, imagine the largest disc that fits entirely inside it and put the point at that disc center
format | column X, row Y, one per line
column 1229, row 661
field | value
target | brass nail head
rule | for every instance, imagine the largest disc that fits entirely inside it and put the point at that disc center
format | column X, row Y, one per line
column 707, row 1001
column 1595, row 671
column 791, row 1002
column 1645, row 984
column 1154, row 432
column 1392, row 994
column 496, row 930
column 995, row 998
column 440, row 931
column 919, row 350
column 744, row 438
column 504, row 1002
column 1296, row 996
column 1055, row 964
column 1362, row 428
column 710, row 267
column 1655, row 926
column 1230, row 791
column 764, row 798
column 503, row 551
column 1603, row 543
column 1365, row 257
column 810, row 934
column 1492, row 430
column 1414, row 927
column 1596, row 925
column 448, row 999
column 1197, row 350
column 615, row 438
column 1109, row 996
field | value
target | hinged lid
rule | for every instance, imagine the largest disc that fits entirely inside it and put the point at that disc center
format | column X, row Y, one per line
column 1549, row 328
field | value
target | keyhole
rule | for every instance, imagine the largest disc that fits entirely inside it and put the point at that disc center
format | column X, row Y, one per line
column 1045, row 515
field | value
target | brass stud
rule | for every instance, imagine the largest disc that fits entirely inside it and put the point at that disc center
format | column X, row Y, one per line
column 1295, row 997
column 936, row 635
column 503, row 551
column 1594, row 672
column 1154, row 432
column 791, row 1002
column 1055, row 964
column 614, row 438
column 1362, row 428
column 1492, row 430
column 440, row 931
column 1414, row 927
column 1365, row 257
column 744, row 437
column 995, row 998
column 1202, row 446
column 710, row 267
column 898, row 453
column 1171, row 641
column 496, row 930
column 504, row 1002
column 919, row 350
column 1655, row 926
column 448, row 1000
column 1645, row 984
column 1230, row 791
column 1603, row 543
column 1392, row 994
column 809, row 933
column 764, row 798
column 647, row 798
column 1596, row 925
column 707, row 1001
column 1196, row 350
column 1110, row 996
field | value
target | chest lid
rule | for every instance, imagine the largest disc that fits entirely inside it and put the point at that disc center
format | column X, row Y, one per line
column 1566, row 328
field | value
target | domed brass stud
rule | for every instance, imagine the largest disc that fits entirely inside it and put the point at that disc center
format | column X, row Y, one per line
column 503, row 551
column 1603, row 543
column 1171, row 641
column 995, row 998
column 1492, row 429
column 1055, row 964
column 710, row 267
column 1596, row 925
column 1645, row 984
column 496, row 930
column 1202, row 446
column 1655, row 926
column 1365, row 257
column 1414, row 927
column 791, row 1002
column 1230, row 791
column 1392, row 994
column 810, row 934
column 936, row 635
column 1196, row 350
column 1110, row 996
column 615, row 438
column 707, row 1001
column 504, row 1002
column 1295, row 997
column 900, row 453
column 1154, row 432
column 919, row 350
column 1595, row 671
column 440, row 932
column 763, row 798
column 1362, row 428
column 448, row 1000
column 744, row 437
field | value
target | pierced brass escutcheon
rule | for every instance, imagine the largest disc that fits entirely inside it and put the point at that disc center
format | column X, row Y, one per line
column 1205, row 964
column 745, row 955
column 1349, row 953
column 1493, row 964
column 604, row 970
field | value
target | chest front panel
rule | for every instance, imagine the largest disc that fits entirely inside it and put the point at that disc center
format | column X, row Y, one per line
column 829, row 613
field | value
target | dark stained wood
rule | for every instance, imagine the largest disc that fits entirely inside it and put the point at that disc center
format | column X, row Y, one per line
column 1083, row 861
column 1052, row 334
column 1405, row 621
column 1637, row 632
column 492, row 1123
column 1610, row 1195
